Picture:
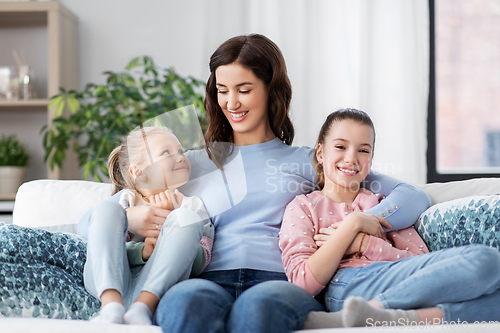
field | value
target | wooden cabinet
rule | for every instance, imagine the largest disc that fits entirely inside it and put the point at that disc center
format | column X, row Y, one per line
column 58, row 49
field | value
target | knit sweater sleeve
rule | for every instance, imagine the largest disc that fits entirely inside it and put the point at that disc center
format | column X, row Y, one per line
column 134, row 253
column 401, row 244
column 403, row 204
column 297, row 243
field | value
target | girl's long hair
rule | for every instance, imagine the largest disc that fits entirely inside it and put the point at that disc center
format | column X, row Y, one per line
column 339, row 115
column 259, row 54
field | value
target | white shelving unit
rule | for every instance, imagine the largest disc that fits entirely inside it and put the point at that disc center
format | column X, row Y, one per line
column 50, row 31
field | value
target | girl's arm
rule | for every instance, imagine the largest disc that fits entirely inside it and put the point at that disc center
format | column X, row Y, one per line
column 403, row 203
column 324, row 262
column 307, row 266
column 297, row 243
column 404, row 243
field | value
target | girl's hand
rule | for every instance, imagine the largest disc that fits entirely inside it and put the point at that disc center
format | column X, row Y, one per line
column 146, row 220
column 149, row 246
column 367, row 223
column 166, row 200
column 355, row 245
column 325, row 233
column 162, row 200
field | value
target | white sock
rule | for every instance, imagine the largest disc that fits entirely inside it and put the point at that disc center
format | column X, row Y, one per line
column 111, row 313
column 138, row 314
column 357, row 313
column 322, row 319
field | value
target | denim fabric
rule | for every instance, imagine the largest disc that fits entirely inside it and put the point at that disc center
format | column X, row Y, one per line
column 235, row 301
column 462, row 281
column 107, row 264
column 238, row 280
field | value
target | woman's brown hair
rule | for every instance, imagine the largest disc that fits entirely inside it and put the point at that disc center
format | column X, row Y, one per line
column 264, row 58
column 339, row 115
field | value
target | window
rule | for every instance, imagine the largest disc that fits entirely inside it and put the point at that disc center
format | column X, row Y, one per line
column 464, row 98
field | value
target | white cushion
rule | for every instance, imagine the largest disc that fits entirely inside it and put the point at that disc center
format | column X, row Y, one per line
column 57, row 205
column 441, row 192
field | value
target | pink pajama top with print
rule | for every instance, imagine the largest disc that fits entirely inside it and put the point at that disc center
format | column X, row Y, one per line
column 306, row 214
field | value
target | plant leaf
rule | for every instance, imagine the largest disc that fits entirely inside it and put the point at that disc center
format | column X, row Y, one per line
column 73, row 104
column 55, row 101
column 59, row 109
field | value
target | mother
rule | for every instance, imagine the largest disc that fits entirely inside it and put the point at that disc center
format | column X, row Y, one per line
column 244, row 288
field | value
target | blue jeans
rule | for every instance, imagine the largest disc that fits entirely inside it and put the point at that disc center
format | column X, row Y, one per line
column 464, row 282
column 235, row 301
column 107, row 264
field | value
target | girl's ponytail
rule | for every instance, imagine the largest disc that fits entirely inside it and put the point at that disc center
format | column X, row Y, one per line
column 114, row 170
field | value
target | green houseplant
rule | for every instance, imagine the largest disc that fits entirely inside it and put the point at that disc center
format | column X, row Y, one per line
column 14, row 157
column 102, row 115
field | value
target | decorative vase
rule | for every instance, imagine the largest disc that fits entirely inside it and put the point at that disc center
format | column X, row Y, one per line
column 11, row 177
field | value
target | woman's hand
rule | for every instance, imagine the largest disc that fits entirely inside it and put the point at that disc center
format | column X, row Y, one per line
column 149, row 246
column 145, row 220
column 166, row 200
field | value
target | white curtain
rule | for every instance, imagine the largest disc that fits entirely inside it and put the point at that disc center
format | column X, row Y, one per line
column 367, row 54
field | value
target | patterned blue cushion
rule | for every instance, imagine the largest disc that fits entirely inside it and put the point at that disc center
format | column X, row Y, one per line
column 461, row 222
column 41, row 275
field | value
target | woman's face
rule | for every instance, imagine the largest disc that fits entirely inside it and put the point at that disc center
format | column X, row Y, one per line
column 242, row 97
column 169, row 167
column 346, row 154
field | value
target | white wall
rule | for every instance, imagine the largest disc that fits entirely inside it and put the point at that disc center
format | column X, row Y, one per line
column 112, row 32
column 337, row 52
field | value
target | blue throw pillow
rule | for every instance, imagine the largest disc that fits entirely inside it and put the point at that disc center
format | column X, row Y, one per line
column 41, row 274
column 471, row 220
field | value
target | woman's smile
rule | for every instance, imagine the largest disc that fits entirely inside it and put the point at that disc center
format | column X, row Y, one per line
column 238, row 116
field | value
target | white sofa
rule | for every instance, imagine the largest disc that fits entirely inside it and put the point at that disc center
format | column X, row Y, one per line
column 57, row 205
